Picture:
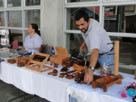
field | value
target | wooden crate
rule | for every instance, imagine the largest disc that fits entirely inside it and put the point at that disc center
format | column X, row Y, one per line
column 38, row 62
column 107, row 81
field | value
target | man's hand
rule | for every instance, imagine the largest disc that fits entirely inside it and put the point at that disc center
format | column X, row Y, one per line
column 88, row 78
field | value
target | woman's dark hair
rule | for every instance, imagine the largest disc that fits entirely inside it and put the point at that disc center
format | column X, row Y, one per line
column 81, row 13
column 35, row 27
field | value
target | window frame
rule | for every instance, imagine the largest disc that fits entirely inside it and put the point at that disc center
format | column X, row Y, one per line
column 21, row 8
column 101, row 4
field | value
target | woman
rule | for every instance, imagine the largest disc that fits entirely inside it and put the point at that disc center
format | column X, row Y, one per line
column 33, row 41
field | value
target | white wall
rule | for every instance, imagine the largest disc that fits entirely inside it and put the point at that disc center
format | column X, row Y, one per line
column 52, row 22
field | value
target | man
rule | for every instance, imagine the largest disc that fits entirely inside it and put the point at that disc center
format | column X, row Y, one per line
column 97, row 42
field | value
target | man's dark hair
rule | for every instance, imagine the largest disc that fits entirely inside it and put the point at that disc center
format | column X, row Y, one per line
column 82, row 13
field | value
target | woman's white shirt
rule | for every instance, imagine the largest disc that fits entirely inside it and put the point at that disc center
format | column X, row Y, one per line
column 31, row 43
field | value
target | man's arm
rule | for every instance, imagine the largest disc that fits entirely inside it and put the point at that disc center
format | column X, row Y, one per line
column 94, row 57
column 93, row 60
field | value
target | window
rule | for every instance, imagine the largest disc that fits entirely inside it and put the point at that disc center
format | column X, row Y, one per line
column 1, row 3
column 13, row 3
column 80, row 0
column 117, row 17
column 118, row 1
column 2, row 20
column 32, row 16
column 120, row 19
column 127, row 50
column 14, row 19
column 17, row 15
column 16, row 35
column 32, row 2
column 74, row 42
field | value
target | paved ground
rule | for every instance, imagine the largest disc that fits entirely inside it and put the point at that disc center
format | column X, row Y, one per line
column 9, row 93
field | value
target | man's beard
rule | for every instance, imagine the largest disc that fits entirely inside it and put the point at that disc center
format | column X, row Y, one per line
column 84, row 30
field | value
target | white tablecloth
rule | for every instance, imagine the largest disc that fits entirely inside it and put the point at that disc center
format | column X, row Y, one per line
column 85, row 93
column 49, row 87
column 56, row 89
